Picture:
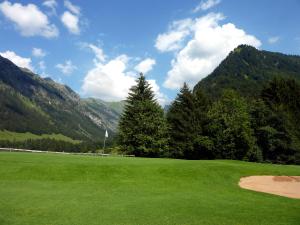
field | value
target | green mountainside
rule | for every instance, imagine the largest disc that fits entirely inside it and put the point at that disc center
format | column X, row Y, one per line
column 269, row 83
column 247, row 70
column 29, row 103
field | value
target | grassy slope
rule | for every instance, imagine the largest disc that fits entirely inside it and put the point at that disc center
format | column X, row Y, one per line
column 58, row 189
column 14, row 136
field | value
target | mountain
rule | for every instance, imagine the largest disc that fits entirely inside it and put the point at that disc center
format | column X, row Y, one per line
column 109, row 111
column 30, row 103
column 271, row 84
column 247, row 70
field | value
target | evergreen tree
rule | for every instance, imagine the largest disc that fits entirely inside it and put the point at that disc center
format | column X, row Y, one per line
column 203, row 144
column 279, row 135
column 142, row 126
column 181, row 122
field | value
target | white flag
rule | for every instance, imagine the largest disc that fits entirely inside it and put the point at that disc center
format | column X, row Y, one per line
column 106, row 134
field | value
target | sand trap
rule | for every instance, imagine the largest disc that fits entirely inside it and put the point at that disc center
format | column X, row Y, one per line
column 288, row 186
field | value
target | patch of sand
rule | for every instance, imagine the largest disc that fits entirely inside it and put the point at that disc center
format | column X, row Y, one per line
column 288, row 186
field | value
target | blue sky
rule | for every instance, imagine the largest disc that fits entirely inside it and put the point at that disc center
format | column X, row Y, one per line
column 98, row 47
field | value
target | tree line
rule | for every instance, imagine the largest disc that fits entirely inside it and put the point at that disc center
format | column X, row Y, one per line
column 259, row 129
column 48, row 144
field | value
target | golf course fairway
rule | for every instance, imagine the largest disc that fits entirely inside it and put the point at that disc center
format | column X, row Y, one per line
column 51, row 189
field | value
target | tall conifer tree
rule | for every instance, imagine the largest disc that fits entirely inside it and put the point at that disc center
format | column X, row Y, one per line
column 142, row 127
column 181, row 123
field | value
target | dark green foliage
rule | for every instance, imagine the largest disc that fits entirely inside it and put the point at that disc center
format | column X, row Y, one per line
column 181, row 121
column 280, row 125
column 187, row 121
column 230, row 128
column 247, row 70
column 50, row 144
column 142, row 127
column 203, row 145
column 269, row 81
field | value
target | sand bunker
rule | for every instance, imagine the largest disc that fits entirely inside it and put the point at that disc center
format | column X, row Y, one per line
column 288, row 186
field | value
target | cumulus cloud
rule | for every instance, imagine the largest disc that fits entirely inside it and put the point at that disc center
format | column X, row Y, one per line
column 38, row 52
column 70, row 18
column 209, row 44
column 111, row 80
column 71, row 22
column 205, row 5
column 28, row 19
column 18, row 60
column 145, row 66
column 73, row 8
column 52, row 4
column 172, row 40
column 66, row 68
column 273, row 40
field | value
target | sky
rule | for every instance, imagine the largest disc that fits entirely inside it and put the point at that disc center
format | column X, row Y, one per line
column 98, row 48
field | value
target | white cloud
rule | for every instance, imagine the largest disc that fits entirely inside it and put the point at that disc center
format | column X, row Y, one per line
column 42, row 66
column 73, row 8
column 210, row 44
column 67, row 68
column 52, row 4
column 98, row 52
column 18, row 60
column 205, row 5
column 273, row 40
column 39, row 53
column 71, row 22
column 28, row 19
column 109, row 81
column 161, row 98
column 112, row 80
column 71, row 18
column 172, row 40
column 145, row 66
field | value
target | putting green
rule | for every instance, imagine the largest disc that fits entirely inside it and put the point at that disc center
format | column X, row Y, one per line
column 52, row 189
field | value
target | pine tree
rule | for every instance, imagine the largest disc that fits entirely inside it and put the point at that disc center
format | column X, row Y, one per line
column 181, row 121
column 203, row 145
column 142, row 127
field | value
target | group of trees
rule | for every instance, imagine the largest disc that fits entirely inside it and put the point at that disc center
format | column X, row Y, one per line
column 48, row 144
column 264, row 128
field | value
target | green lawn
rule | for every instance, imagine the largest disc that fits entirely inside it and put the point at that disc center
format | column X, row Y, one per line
column 14, row 136
column 52, row 189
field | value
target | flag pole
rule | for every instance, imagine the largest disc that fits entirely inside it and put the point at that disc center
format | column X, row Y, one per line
column 104, row 145
column 105, row 136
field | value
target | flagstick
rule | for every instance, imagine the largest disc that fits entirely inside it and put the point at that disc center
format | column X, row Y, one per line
column 104, row 145
column 105, row 136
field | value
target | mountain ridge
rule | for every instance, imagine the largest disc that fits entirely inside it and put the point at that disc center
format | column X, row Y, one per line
column 247, row 69
column 40, row 105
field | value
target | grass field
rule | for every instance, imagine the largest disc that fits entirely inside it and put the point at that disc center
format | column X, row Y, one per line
column 14, row 136
column 52, row 189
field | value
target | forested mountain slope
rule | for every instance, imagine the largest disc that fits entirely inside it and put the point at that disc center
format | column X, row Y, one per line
column 247, row 70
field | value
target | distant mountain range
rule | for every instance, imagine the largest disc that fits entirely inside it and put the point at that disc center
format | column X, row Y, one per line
column 30, row 103
column 247, row 70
